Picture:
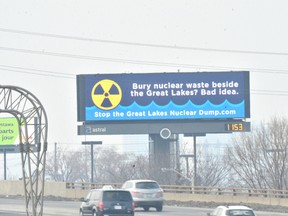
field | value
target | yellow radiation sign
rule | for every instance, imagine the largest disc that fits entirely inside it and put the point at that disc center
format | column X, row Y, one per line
column 106, row 94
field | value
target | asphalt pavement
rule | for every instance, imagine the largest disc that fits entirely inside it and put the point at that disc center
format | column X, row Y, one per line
column 11, row 213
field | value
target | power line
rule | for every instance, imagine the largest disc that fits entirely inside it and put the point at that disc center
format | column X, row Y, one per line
column 33, row 71
column 270, row 92
column 85, row 57
column 73, row 76
column 36, row 72
column 142, row 44
column 137, row 62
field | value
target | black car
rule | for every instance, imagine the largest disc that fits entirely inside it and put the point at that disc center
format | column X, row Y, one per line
column 100, row 202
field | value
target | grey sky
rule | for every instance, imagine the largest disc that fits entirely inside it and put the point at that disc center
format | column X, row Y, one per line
column 44, row 44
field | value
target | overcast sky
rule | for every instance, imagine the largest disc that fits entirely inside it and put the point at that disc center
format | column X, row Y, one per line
column 45, row 44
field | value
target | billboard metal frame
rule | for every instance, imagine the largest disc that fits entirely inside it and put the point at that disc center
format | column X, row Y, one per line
column 101, row 110
column 196, row 126
column 175, row 127
column 183, row 96
column 25, row 107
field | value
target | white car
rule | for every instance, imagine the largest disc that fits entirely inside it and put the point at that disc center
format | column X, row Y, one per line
column 232, row 210
column 145, row 193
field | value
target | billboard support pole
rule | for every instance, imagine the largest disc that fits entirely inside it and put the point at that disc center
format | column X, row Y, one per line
column 4, row 151
column 91, row 143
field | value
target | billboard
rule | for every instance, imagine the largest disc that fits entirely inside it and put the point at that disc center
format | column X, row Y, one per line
column 8, row 131
column 163, row 96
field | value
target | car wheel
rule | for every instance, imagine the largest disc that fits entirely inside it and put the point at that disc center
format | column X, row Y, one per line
column 159, row 208
column 146, row 208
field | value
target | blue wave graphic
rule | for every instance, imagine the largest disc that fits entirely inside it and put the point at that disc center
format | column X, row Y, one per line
column 169, row 111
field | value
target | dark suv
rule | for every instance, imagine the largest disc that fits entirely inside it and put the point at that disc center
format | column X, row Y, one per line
column 101, row 202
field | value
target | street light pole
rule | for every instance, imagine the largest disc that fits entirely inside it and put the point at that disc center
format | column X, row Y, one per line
column 195, row 154
column 173, row 170
column 187, row 156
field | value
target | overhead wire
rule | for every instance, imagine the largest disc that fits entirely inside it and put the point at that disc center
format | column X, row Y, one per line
column 72, row 76
column 156, row 63
column 141, row 44
column 270, row 92
column 54, row 74
column 43, row 52
column 36, row 72
column 121, row 60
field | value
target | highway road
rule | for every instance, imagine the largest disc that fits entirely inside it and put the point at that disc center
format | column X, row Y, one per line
column 16, row 207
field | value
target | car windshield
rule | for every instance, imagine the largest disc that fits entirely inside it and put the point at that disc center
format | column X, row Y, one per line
column 241, row 213
column 147, row 185
column 116, row 196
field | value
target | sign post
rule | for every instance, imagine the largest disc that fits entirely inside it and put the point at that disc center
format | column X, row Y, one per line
column 92, row 155
column 165, row 104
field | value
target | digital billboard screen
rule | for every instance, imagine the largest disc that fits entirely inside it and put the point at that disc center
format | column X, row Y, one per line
column 163, row 96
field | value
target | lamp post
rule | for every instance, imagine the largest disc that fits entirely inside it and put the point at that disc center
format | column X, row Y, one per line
column 194, row 135
column 187, row 156
column 173, row 170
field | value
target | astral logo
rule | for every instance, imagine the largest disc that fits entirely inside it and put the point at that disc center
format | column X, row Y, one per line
column 106, row 94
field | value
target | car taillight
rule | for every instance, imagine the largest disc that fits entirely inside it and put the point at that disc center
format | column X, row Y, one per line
column 133, row 206
column 101, row 206
column 135, row 193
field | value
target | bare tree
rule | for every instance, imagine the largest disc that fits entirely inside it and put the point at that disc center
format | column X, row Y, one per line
column 141, row 167
column 212, row 170
column 114, row 167
column 109, row 166
column 67, row 166
column 259, row 159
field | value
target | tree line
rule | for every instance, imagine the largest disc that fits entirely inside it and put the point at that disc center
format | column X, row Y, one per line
column 256, row 159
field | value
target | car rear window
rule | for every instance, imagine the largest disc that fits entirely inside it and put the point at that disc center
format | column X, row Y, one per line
column 240, row 213
column 146, row 185
column 117, row 196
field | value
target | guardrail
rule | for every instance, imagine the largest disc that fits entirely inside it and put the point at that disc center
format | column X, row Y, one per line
column 178, row 193
column 227, row 191
column 201, row 190
column 88, row 186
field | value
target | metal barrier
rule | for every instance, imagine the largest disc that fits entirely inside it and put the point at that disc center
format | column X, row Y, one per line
column 88, row 186
column 173, row 193
column 250, row 192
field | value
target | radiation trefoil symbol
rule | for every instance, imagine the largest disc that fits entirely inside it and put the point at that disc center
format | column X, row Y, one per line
column 106, row 94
